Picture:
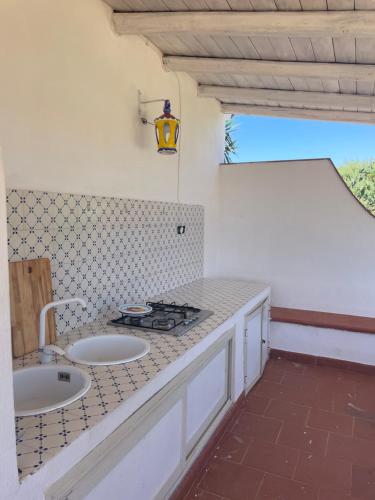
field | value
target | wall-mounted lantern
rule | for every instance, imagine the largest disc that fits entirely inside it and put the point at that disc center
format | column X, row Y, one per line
column 167, row 126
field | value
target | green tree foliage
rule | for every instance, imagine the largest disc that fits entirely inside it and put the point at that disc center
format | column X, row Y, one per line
column 360, row 178
column 230, row 147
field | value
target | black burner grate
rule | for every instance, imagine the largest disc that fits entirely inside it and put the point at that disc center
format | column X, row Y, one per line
column 165, row 317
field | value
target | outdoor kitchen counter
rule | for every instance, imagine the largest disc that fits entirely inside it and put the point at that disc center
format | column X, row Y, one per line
column 50, row 444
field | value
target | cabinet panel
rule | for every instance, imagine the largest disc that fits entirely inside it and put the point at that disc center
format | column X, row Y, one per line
column 253, row 347
column 147, row 454
column 207, row 392
column 149, row 465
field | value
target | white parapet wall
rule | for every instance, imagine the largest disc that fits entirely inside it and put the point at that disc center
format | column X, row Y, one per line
column 328, row 343
column 295, row 225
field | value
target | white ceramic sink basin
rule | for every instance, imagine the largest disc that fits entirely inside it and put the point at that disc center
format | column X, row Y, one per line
column 40, row 389
column 107, row 350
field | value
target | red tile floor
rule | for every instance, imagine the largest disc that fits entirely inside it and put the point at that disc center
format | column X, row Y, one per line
column 304, row 432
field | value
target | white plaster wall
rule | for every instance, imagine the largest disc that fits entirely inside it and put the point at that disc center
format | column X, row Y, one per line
column 337, row 344
column 68, row 110
column 68, row 122
column 8, row 466
column 295, row 225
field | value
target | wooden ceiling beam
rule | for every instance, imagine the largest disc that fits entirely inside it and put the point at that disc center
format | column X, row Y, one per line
column 303, row 114
column 310, row 99
column 296, row 24
column 316, row 70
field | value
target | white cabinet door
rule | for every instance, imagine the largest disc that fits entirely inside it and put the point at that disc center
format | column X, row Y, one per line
column 147, row 454
column 265, row 333
column 149, row 465
column 253, row 347
column 206, row 393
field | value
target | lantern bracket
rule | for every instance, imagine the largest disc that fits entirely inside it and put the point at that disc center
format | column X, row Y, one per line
column 141, row 103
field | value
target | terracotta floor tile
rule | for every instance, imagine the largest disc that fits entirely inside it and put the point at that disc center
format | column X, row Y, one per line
column 329, row 421
column 284, row 364
column 255, row 404
column 292, row 439
column 364, row 482
column 364, row 428
column 270, row 457
column 354, row 450
column 330, row 377
column 316, row 399
column 333, row 380
column 366, row 398
column 273, row 374
column 284, row 410
column 233, row 481
column 322, row 372
column 321, row 471
column 257, row 426
column 356, row 376
column 271, row 390
column 199, row 494
column 329, row 373
column 231, row 447
column 278, row 488
column 306, row 383
column 329, row 494
column 303, row 438
column 366, row 381
column 346, row 403
column 334, row 387
column 296, row 395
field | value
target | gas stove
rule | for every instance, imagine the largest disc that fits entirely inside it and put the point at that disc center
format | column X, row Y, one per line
column 170, row 318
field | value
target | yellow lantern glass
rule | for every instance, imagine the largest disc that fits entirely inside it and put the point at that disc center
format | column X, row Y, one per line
column 167, row 128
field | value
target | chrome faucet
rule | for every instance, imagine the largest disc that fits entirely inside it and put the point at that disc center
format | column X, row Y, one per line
column 46, row 352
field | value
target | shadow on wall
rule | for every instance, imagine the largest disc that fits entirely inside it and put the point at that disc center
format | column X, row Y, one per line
column 296, row 225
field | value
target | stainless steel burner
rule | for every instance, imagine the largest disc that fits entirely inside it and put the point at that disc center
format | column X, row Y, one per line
column 165, row 318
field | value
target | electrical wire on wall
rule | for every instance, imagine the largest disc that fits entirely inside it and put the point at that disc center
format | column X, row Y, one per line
column 179, row 207
column 179, row 138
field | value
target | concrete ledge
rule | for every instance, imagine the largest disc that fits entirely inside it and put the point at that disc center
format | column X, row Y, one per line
column 320, row 319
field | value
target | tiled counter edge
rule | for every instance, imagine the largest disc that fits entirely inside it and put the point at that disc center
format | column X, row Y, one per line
column 248, row 296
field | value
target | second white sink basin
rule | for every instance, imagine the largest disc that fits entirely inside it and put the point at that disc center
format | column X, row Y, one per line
column 40, row 389
column 107, row 350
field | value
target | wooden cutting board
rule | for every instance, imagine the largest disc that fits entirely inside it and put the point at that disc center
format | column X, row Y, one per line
column 30, row 289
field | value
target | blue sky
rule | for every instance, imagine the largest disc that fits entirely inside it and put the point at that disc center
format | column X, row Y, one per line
column 266, row 138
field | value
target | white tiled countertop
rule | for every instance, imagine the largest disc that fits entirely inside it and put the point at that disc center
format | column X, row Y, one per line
column 42, row 437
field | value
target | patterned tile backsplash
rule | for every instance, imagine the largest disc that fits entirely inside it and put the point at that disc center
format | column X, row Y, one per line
column 106, row 250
